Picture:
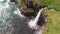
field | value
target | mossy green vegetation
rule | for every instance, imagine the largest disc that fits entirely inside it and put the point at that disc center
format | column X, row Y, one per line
column 20, row 2
column 53, row 22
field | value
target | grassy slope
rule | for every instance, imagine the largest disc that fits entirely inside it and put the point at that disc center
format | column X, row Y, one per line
column 51, row 3
column 54, row 22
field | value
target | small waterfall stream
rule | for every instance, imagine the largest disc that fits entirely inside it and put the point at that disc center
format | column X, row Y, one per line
column 33, row 23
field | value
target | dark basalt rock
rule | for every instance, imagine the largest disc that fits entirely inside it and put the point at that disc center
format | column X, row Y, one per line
column 21, row 27
column 25, row 29
column 41, row 21
column 36, row 8
column 30, row 4
column 25, row 2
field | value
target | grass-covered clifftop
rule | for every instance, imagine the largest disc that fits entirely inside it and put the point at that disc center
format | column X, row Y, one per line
column 53, row 22
column 49, row 3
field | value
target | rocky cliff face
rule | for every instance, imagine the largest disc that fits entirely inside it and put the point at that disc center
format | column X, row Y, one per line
column 29, row 4
column 25, row 8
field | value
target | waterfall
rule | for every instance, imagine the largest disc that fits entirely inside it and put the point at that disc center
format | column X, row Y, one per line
column 37, row 17
column 33, row 23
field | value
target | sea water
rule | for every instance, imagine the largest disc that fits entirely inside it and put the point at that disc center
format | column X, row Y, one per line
column 7, row 14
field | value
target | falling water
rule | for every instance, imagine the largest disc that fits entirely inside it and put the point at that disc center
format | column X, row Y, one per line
column 33, row 23
column 8, row 12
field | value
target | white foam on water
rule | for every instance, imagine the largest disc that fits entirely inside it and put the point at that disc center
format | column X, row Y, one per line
column 8, row 1
column 5, row 8
column 1, row 0
column 19, row 13
column 4, row 5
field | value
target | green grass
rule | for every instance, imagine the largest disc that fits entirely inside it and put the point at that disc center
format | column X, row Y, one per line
column 53, row 23
column 51, row 4
column 20, row 2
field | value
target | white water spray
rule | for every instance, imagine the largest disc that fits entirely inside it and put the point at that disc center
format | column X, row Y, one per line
column 8, row 1
column 4, row 5
column 6, row 12
column 1, row 0
column 33, row 23
column 7, row 5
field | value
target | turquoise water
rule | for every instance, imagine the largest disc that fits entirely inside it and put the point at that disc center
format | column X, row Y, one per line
column 7, row 9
